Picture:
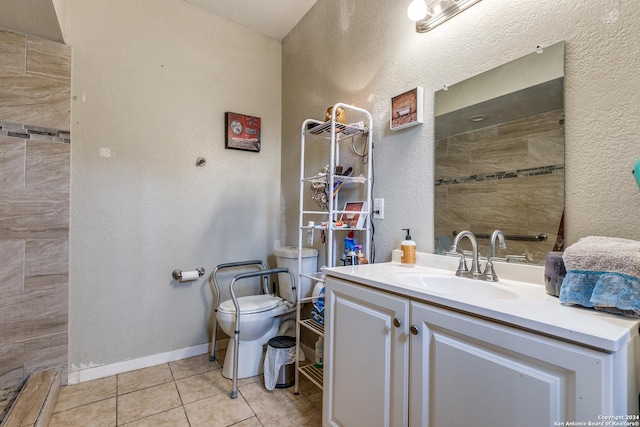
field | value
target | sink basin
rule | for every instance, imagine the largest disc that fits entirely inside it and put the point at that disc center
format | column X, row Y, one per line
column 448, row 284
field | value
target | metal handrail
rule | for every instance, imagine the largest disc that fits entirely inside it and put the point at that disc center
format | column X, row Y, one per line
column 216, row 295
column 520, row 237
column 236, row 331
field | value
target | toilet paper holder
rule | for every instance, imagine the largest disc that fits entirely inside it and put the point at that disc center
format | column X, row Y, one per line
column 187, row 275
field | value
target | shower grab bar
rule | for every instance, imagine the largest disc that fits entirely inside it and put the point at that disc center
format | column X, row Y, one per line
column 236, row 331
column 216, row 295
column 521, row 237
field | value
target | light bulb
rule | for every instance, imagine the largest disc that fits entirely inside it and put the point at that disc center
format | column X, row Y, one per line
column 417, row 10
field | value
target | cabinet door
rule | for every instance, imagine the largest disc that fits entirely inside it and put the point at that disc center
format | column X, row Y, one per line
column 467, row 371
column 366, row 357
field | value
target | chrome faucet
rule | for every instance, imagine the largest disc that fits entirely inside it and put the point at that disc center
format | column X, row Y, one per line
column 475, row 272
column 490, row 275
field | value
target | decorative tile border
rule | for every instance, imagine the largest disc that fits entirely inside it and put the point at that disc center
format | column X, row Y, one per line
column 543, row 170
column 36, row 133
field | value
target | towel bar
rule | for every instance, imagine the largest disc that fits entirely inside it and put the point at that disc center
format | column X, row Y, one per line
column 521, row 237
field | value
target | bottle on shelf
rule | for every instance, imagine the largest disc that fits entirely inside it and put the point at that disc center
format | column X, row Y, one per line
column 351, row 258
column 349, row 254
column 317, row 309
column 319, row 353
column 311, row 225
column 362, row 259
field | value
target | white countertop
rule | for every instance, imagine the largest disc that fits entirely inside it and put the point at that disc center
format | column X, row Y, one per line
column 526, row 306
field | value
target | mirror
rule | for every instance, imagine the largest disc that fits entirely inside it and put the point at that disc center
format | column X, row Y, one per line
column 499, row 157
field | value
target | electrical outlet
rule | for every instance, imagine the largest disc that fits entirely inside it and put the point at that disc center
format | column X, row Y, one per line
column 378, row 208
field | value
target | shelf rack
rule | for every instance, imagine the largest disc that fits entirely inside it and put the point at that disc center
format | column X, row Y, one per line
column 334, row 132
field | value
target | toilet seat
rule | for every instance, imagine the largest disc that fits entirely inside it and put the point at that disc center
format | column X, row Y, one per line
column 250, row 304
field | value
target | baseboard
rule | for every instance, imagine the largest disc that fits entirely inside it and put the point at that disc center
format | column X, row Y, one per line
column 98, row 372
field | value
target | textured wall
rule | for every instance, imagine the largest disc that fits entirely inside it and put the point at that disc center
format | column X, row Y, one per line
column 152, row 80
column 35, row 81
column 346, row 50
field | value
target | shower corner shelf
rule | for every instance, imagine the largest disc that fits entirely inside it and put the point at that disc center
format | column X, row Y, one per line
column 360, row 184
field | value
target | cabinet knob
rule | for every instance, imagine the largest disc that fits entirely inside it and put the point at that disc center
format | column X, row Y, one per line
column 414, row 330
column 396, row 322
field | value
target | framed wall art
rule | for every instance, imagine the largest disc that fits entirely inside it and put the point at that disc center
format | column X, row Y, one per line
column 242, row 132
column 352, row 216
column 406, row 109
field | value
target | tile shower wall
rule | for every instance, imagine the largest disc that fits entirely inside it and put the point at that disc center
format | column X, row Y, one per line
column 35, row 81
column 511, row 174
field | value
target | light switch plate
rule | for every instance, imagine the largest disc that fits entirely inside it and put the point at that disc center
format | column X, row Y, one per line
column 378, row 208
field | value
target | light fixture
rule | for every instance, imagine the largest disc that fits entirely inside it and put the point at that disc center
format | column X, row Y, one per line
column 435, row 12
column 417, row 10
column 478, row 118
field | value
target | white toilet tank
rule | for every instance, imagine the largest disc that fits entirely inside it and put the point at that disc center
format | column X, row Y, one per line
column 287, row 257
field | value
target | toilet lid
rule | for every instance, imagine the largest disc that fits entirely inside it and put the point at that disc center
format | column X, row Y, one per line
column 250, row 304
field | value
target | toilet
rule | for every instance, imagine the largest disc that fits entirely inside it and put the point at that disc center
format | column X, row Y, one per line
column 260, row 315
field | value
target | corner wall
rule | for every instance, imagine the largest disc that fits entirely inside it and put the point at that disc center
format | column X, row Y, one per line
column 151, row 83
column 350, row 52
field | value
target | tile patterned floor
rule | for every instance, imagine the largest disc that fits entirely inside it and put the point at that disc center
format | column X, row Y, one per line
column 190, row 393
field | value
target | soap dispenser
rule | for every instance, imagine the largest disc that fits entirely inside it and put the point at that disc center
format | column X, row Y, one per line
column 408, row 247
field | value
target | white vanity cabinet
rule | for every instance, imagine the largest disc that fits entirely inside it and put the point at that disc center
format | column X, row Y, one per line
column 469, row 371
column 442, row 368
column 366, row 373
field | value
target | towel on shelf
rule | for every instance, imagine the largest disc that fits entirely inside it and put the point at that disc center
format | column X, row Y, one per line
column 603, row 273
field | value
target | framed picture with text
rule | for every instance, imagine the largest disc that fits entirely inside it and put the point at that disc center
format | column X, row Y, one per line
column 242, row 132
column 406, row 109
column 354, row 214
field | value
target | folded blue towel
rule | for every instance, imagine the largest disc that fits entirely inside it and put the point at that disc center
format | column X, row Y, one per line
column 603, row 273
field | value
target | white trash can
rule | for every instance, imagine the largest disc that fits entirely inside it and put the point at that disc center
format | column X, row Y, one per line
column 279, row 363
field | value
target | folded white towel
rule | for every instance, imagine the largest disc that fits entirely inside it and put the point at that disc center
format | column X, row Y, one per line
column 604, row 254
column 603, row 273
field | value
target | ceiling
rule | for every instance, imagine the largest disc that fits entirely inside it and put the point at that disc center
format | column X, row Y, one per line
column 273, row 18
column 35, row 17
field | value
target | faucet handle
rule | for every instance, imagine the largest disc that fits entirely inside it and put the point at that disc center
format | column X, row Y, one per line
column 489, row 274
column 462, row 266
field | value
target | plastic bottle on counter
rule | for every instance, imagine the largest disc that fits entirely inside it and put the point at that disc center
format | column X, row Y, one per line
column 408, row 248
